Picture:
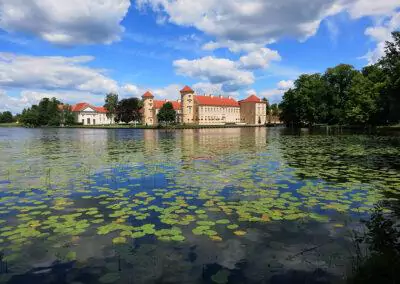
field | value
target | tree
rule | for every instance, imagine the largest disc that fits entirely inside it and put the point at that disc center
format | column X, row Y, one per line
column 362, row 103
column 390, row 64
column 167, row 114
column 304, row 104
column 67, row 116
column 111, row 104
column 128, row 110
column 46, row 113
column 338, row 82
column 267, row 110
column 274, row 110
column 6, row 117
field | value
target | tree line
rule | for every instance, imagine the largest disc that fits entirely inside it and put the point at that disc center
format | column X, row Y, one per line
column 6, row 117
column 346, row 96
column 48, row 112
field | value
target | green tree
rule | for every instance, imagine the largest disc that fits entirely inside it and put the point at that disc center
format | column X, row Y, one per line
column 6, row 117
column 267, row 110
column 67, row 116
column 338, row 82
column 362, row 104
column 167, row 114
column 46, row 113
column 128, row 110
column 304, row 104
column 111, row 105
column 390, row 64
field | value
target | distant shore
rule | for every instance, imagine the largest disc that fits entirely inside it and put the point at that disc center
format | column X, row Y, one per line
column 131, row 126
column 333, row 128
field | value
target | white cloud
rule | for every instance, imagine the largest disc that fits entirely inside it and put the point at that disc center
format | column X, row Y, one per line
column 53, row 72
column 247, row 21
column 170, row 92
column 216, row 71
column 361, row 8
column 259, row 58
column 65, row 22
column 380, row 34
column 131, row 89
column 285, row 85
column 233, row 46
column 275, row 95
column 26, row 98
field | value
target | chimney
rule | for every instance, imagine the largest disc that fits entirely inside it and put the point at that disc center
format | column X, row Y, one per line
column 211, row 96
column 220, row 96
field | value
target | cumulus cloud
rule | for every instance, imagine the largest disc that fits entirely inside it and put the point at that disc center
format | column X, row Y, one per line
column 247, row 21
column 380, row 34
column 275, row 95
column 259, row 58
column 26, row 98
column 53, row 72
column 254, row 22
column 361, row 8
column 131, row 89
column 216, row 71
column 65, row 22
column 170, row 92
column 285, row 84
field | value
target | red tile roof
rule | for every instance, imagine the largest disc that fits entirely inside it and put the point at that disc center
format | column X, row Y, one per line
column 159, row 104
column 252, row 99
column 216, row 101
column 187, row 89
column 81, row 106
column 147, row 95
column 101, row 109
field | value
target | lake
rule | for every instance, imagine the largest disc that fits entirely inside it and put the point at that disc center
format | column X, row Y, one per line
column 239, row 205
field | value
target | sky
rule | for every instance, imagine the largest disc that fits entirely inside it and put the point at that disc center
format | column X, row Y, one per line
column 79, row 50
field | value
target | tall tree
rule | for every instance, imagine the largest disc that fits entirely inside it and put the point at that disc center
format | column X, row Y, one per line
column 362, row 105
column 46, row 113
column 6, row 117
column 111, row 104
column 304, row 104
column 67, row 116
column 167, row 114
column 267, row 110
column 128, row 110
column 338, row 82
column 390, row 64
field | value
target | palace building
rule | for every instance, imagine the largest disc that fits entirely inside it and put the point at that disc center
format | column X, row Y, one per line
column 207, row 109
column 88, row 114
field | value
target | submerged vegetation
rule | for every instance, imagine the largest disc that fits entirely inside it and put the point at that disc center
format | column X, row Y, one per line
column 147, row 192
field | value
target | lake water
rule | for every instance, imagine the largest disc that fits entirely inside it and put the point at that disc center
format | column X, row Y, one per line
column 240, row 205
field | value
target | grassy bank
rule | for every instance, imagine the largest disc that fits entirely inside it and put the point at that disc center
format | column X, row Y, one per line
column 12, row 124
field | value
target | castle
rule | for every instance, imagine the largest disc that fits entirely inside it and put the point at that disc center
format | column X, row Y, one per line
column 207, row 109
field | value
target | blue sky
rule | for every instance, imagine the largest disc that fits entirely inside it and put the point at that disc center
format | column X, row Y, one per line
column 79, row 50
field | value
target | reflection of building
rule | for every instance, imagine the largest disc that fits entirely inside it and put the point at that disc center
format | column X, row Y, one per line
column 208, row 109
column 90, row 115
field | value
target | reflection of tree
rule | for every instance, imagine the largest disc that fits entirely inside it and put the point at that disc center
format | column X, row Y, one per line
column 342, row 157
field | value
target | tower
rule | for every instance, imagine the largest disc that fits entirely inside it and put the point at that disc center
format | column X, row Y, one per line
column 187, row 105
column 148, row 109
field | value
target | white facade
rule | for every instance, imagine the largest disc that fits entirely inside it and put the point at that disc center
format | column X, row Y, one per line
column 218, row 115
column 91, row 116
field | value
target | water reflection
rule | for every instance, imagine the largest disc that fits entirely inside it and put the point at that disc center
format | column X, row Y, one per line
column 291, row 200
